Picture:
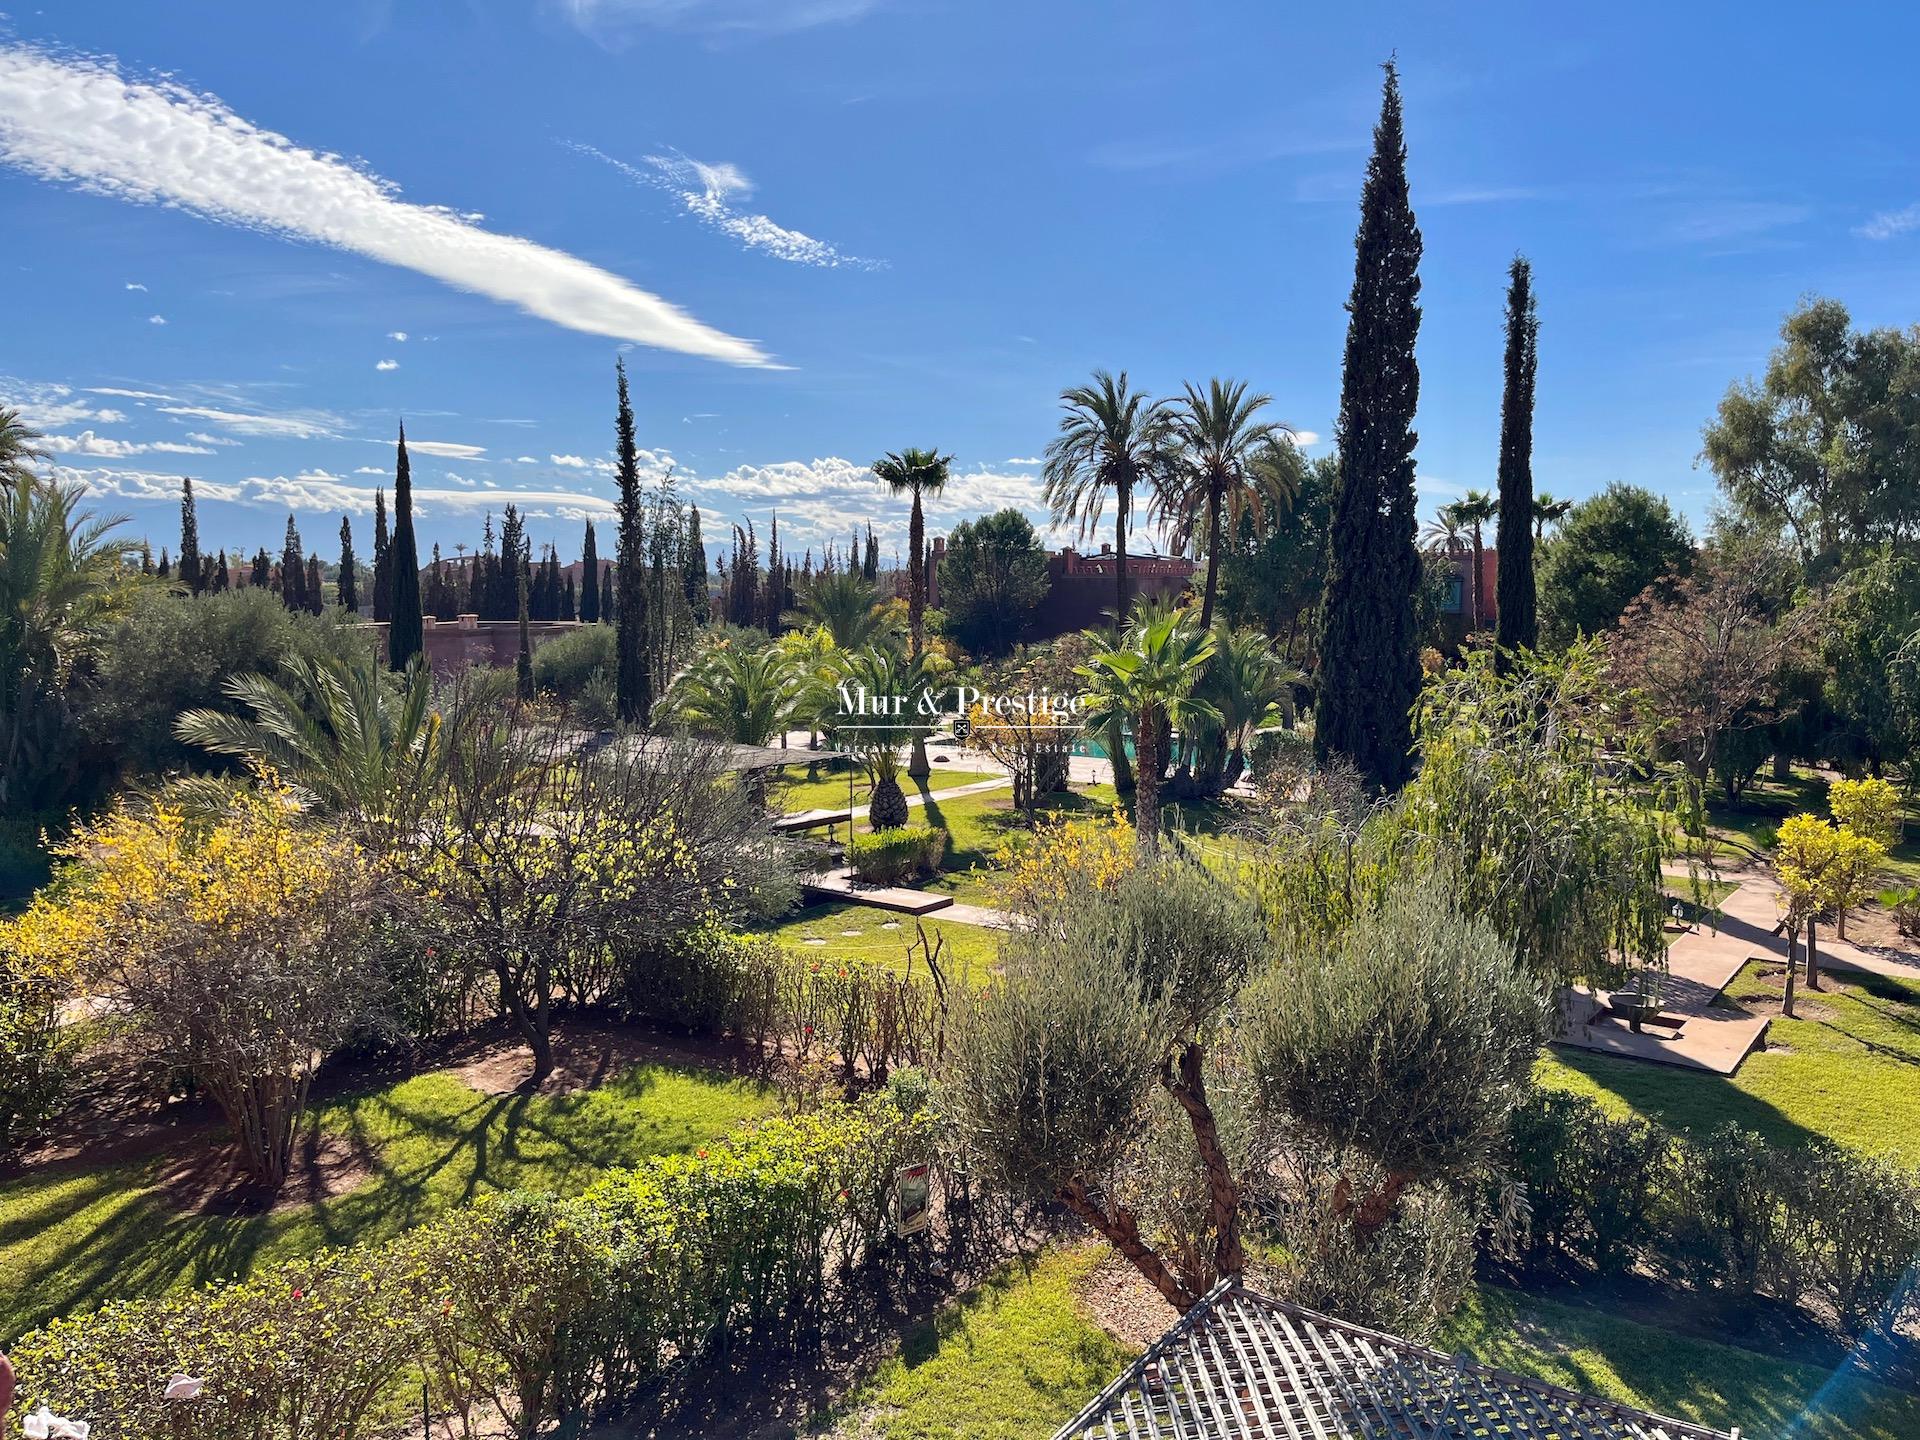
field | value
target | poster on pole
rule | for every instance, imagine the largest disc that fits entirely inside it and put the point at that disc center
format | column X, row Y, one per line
column 912, row 1198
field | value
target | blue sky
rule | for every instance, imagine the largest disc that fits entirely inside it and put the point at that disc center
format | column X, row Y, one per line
column 824, row 229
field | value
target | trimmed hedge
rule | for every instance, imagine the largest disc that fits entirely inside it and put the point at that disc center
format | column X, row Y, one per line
column 539, row 1309
column 1814, row 1223
column 886, row 857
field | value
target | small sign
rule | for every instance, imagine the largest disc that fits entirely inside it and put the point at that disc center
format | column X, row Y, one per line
column 912, row 1198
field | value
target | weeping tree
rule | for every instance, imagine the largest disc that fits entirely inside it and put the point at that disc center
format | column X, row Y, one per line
column 1066, row 1074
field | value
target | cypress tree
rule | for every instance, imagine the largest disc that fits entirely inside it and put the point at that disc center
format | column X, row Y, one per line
column 606, row 595
column 221, row 579
column 146, row 557
column 405, row 636
column 262, row 569
column 693, row 570
column 634, row 681
column 523, row 664
column 870, row 571
column 568, row 610
column 349, row 582
column 589, row 579
column 293, row 570
column 190, row 575
column 316, row 587
column 165, row 571
column 1369, row 645
column 382, row 560
column 1514, row 588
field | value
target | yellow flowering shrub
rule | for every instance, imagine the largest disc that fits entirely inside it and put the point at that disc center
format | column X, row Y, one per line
column 1869, row 807
column 1060, row 856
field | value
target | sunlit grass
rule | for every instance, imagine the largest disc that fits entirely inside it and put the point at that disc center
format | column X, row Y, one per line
column 844, row 931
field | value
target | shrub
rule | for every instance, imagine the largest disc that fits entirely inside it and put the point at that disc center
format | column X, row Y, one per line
column 550, row 1310
column 34, row 1053
column 1062, row 856
column 1727, row 1212
column 565, row 666
column 1869, row 807
column 1904, row 905
column 1591, row 1179
column 1862, row 1216
column 886, row 857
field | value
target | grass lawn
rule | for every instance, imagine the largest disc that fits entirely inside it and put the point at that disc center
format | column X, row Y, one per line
column 1013, row 1359
column 1719, row 1386
column 792, row 792
column 1756, row 819
column 979, row 824
column 1848, row 1069
column 71, row 1240
column 860, row 932
column 1018, row 1357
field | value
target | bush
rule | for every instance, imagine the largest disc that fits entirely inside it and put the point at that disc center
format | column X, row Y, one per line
column 886, row 857
column 548, row 1310
column 1591, row 1179
column 34, row 1051
column 565, row 666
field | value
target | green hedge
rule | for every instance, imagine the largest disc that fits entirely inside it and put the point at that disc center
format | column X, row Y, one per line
column 886, row 857
column 1816, row 1223
column 541, row 1310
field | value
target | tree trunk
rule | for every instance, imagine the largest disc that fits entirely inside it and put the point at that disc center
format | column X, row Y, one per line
column 1369, row 1217
column 1813, row 956
column 1782, row 765
column 1188, row 1085
column 1117, row 755
column 1122, row 1232
column 1120, row 597
column 917, row 766
column 1146, row 780
column 1793, row 965
column 1213, row 552
column 1478, row 550
column 887, row 807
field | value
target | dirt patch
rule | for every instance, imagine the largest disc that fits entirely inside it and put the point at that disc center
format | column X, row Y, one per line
column 1118, row 1299
column 207, row 1178
column 587, row 1054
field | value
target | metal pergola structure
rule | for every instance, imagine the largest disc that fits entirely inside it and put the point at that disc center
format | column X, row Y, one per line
column 1241, row 1366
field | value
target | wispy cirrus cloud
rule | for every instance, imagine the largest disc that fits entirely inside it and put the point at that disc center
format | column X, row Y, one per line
column 105, row 446
column 52, row 407
column 291, row 425
column 80, row 122
column 609, row 20
column 1889, row 223
column 708, row 191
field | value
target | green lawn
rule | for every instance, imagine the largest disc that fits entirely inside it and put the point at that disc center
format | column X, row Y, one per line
column 1018, row 1357
column 792, row 791
column 980, row 824
column 69, row 1241
column 1013, row 1359
column 1719, row 1386
column 860, row 932
column 1848, row 1069
column 1767, row 802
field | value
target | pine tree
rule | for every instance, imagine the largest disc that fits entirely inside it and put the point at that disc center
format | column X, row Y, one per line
column 293, row 570
column 315, row 587
column 405, row 633
column 382, row 560
column 589, row 579
column 190, row 575
column 523, row 663
column 1369, row 646
column 349, row 589
column 634, row 680
column 1514, row 587
column 693, row 571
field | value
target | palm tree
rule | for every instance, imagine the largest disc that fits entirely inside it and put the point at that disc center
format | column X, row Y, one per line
column 1111, row 438
column 1473, row 512
column 847, row 606
column 879, row 674
column 1251, row 687
column 1149, row 680
column 355, row 739
column 918, row 473
column 734, row 693
column 1548, row 510
column 1443, row 535
column 1227, row 460
column 59, row 576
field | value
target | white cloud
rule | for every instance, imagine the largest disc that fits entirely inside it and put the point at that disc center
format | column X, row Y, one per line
column 399, row 335
column 135, row 285
column 706, row 192
column 387, row 365
column 80, row 122
column 295, row 425
column 605, row 20
column 1028, row 460
column 156, row 319
column 105, row 446
column 571, row 462
column 205, row 439
column 51, row 407
column 127, row 394
column 371, row 470
column 444, row 449
column 1889, row 223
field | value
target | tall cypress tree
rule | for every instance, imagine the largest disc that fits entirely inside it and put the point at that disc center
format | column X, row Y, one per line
column 693, row 570
column 190, row 575
column 1519, row 629
column 293, row 570
column 405, row 636
column 146, row 557
column 165, row 572
column 1369, row 645
column 349, row 588
column 589, row 578
column 262, row 574
column 382, row 560
column 523, row 663
column 607, row 611
column 221, row 578
column 634, row 680
column 316, row 587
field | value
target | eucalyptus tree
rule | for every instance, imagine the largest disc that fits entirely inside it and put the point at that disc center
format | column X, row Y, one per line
column 1227, row 462
column 1111, row 438
column 1149, row 679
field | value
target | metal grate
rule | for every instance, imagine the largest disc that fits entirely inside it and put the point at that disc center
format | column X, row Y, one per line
column 1241, row 1366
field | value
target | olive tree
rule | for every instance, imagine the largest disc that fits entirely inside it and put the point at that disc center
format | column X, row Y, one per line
column 1111, row 1003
